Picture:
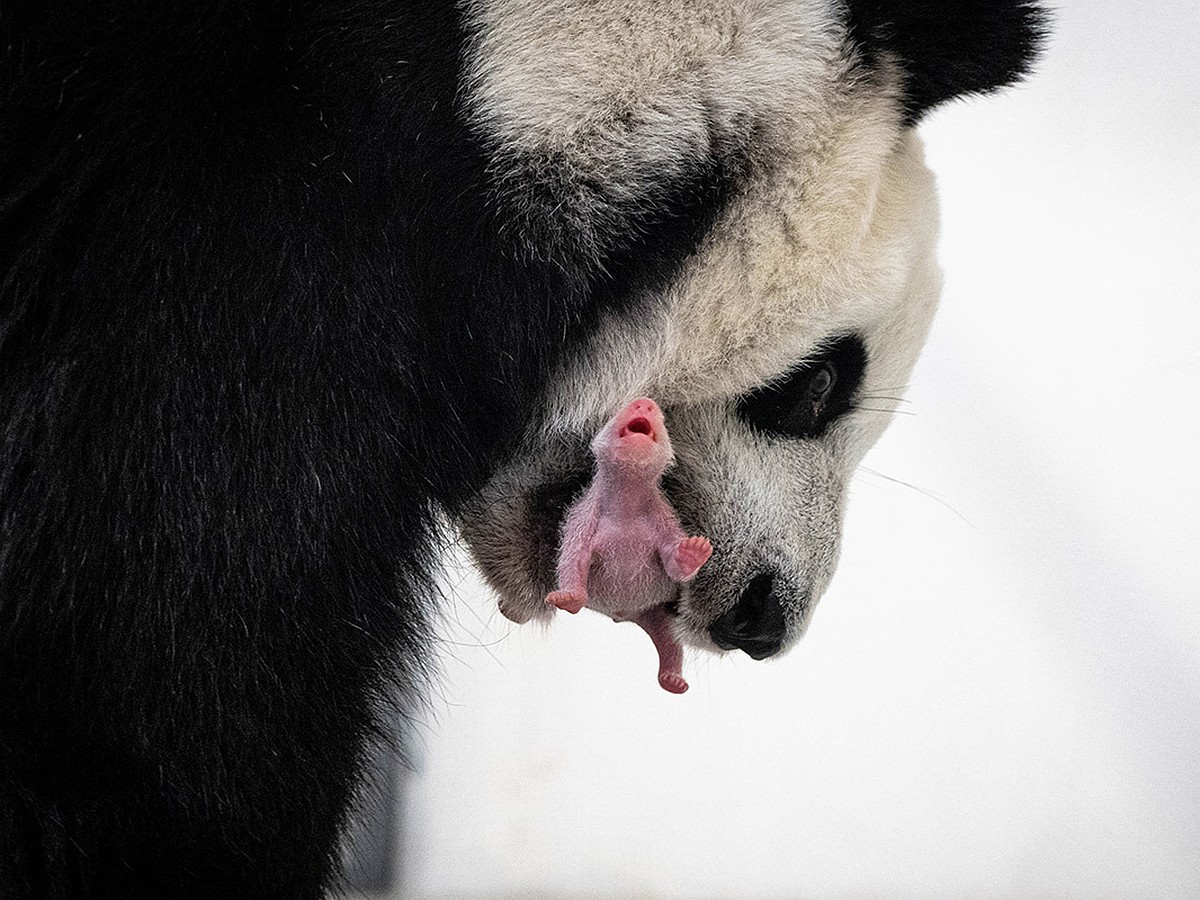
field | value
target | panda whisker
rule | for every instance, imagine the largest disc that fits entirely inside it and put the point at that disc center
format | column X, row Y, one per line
column 885, row 397
column 924, row 492
column 890, row 412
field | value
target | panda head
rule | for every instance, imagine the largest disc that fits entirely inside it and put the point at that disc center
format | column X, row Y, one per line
column 771, row 145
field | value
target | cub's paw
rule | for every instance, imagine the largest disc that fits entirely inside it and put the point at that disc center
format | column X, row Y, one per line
column 570, row 601
column 673, row 682
column 690, row 555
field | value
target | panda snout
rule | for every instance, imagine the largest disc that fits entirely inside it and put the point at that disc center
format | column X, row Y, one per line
column 756, row 623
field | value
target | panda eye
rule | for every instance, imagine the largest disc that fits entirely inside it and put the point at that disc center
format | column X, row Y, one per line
column 822, row 383
column 806, row 400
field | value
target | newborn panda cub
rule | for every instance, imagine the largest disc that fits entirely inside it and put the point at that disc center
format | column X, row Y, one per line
column 623, row 551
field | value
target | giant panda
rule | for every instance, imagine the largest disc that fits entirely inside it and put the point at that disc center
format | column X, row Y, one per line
column 289, row 292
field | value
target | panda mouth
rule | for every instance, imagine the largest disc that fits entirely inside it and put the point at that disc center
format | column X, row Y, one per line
column 546, row 511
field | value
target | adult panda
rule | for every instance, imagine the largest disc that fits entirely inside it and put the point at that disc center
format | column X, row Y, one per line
column 285, row 286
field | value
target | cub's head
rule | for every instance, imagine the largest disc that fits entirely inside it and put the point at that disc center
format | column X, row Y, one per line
column 783, row 320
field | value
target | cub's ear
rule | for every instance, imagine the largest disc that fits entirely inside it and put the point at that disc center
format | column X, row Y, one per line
column 948, row 48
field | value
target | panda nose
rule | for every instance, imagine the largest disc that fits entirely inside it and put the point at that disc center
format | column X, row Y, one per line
column 755, row 625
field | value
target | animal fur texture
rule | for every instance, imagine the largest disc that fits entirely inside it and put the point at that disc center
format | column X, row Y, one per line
column 285, row 286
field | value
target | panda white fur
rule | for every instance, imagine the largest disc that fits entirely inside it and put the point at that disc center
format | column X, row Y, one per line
column 284, row 285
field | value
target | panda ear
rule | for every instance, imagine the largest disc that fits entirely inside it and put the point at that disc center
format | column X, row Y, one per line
column 948, row 48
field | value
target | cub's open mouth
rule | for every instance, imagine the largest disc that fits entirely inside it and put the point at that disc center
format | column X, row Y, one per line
column 639, row 425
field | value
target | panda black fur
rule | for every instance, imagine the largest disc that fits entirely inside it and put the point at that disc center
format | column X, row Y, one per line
column 281, row 284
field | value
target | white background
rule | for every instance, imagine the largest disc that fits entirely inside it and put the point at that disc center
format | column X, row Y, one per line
column 1000, row 694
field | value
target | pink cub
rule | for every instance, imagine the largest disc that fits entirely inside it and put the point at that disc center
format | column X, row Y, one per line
column 623, row 550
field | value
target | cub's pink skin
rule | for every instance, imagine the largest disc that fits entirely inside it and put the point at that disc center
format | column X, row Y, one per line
column 623, row 551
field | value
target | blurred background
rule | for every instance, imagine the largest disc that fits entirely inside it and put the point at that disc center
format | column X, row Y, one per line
column 1000, row 694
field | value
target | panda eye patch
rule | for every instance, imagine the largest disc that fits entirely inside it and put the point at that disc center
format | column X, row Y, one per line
column 807, row 399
